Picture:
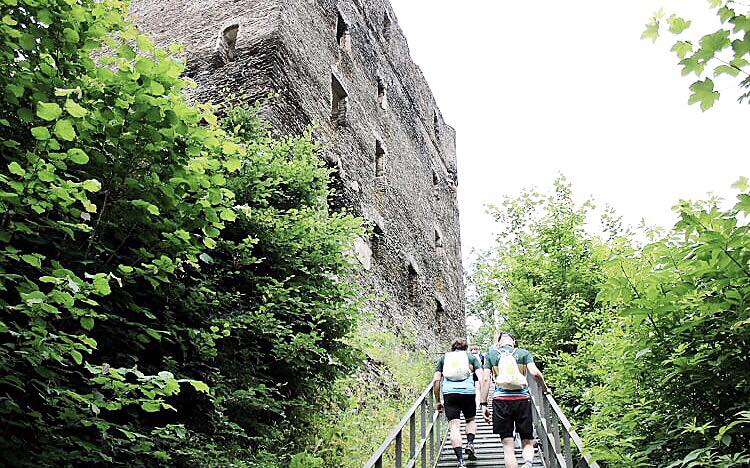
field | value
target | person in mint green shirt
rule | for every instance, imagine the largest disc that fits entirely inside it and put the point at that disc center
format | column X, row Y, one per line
column 453, row 379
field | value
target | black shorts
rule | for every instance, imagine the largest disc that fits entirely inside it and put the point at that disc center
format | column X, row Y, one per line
column 507, row 413
column 457, row 403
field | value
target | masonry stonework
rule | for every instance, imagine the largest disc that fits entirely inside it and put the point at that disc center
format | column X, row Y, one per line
column 344, row 67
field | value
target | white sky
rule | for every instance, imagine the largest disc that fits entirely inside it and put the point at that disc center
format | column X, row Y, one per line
column 538, row 88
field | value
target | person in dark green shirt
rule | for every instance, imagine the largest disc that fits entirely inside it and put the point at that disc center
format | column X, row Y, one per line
column 511, row 407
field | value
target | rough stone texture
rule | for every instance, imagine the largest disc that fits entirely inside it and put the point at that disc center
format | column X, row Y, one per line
column 395, row 155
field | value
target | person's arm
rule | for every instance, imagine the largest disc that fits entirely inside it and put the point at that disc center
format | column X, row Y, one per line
column 436, row 390
column 485, row 387
column 537, row 374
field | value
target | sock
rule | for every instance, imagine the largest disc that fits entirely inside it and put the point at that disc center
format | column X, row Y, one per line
column 470, row 438
column 459, row 453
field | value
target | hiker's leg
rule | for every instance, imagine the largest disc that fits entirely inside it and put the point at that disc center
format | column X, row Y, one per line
column 509, row 451
column 452, row 404
column 455, row 429
column 525, row 428
column 502, row 425
column 528, row 450
column 471, row 426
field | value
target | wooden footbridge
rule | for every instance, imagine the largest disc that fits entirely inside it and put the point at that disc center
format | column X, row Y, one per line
column 420, row 439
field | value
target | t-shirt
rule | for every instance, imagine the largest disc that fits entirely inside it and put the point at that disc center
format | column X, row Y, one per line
column 464, row 387
column 523, row 358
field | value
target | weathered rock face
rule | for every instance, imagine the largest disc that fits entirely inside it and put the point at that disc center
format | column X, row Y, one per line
column 345, row 68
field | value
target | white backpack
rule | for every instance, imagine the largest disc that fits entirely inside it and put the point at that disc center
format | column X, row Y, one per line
column 508, row 375
column 456, row 366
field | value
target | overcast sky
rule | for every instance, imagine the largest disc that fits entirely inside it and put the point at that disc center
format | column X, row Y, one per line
column 538, row 88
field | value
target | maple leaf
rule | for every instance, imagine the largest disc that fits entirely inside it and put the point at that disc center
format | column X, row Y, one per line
column 677, row 24
column 692, row 64
column 703, row 93
column 682, row 48
column 741, row 23
column 726, row 13
column 652, row 30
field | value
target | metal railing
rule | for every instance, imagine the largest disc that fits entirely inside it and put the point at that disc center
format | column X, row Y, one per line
column 425, row 430
column 559, row 444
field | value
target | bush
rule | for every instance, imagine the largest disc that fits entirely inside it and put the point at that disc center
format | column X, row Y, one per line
column 170, row 288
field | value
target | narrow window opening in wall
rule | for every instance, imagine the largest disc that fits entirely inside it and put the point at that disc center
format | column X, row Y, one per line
column 227, row 42
column 343, row 37
column 413, row 282
column 379, row 160
column 439, row 249
column 386, row 26
column 338, row 102
column 381, row 180
column 382, row 97
column 436, row 125
column 439, row 315
column 377, row 242
column 435, row 184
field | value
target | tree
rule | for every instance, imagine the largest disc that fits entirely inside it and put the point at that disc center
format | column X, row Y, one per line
column 543, row 277
column 154, row 267
column 720, row 52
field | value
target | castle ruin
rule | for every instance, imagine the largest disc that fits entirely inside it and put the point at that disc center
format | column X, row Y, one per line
column 344, row 67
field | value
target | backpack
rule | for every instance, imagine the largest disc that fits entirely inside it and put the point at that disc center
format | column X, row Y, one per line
column 508, row 375
column 456, row 366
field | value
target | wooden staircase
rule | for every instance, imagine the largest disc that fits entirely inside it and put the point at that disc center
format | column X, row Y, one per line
column 489, row 448
column 420, row 439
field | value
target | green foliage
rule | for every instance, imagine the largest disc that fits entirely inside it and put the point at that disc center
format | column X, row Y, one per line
column 543, row 277
column 169, row 287
column 363, row 409
column 723, row 51
column 653, row 365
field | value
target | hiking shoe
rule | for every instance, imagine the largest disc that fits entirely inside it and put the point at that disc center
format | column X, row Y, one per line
column 528, row 464
column 470, row 451
column 461, row 464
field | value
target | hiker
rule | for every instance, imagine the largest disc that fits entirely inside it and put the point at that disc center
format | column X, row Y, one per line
column 477, row 381
column 453, row 373
column 511, row 403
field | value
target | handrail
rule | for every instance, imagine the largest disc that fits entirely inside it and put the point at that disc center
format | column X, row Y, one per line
column 548, row 417
column 430, row 433
column 553, row 430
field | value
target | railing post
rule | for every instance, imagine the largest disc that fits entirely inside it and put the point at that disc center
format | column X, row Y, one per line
column 546, row 427
column 440, row 437
column 423, row 418
column 431, row 414
column 556, row 436
column 566, row 450
column 399, row 461
column 379, row 463
column 412, row 436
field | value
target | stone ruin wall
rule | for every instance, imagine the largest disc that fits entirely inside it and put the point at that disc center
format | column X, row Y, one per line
column 345, row 68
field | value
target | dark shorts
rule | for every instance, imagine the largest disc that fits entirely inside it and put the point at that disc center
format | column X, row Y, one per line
column 457, row 403
column 507, row 413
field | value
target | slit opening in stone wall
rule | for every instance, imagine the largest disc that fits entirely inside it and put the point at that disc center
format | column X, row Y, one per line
column 343, row 37
column 377, row 241
column 338, row 102
column 439, row 315
column 412, row 282
column 435, row 184
column 379, row 159
column 439, row 249
column 436, row 125
column 382, row 89
column 386, row 26
column 227, row 43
